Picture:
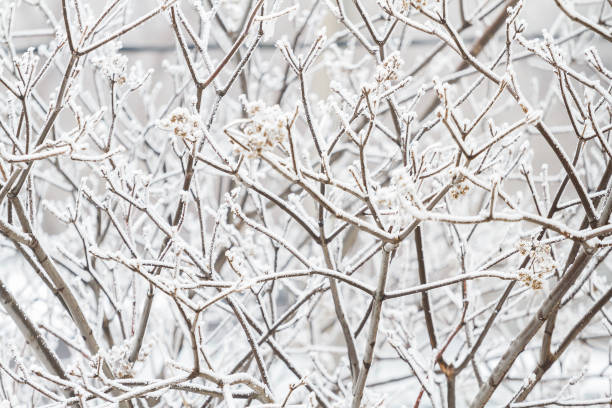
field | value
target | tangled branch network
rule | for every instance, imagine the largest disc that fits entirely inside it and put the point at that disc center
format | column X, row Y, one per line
column 313, row 203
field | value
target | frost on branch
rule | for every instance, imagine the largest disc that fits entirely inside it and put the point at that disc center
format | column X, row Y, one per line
column 282, row 203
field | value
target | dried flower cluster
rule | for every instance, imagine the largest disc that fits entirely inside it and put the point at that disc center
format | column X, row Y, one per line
column 541, row 263
column 182, row 123
column 399, row 197
column 113, row 67
column 265, row 129
column 389, row 70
